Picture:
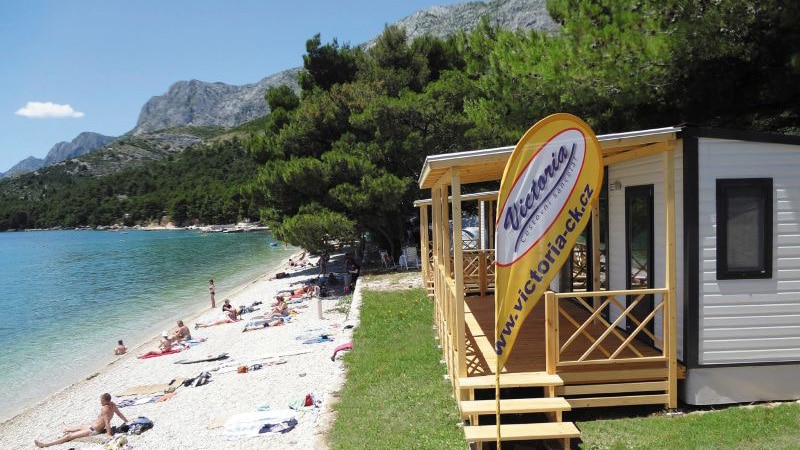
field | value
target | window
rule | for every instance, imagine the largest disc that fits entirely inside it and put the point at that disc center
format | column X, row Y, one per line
column 744, row 228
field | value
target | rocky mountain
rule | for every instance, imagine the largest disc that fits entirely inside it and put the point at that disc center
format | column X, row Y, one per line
column 28, row 164
column 85, row 142
column 125, row 152
column 199, row 103
column 442, row 21
column 82, row 144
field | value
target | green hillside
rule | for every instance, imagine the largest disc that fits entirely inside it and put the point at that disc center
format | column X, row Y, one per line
column 341, row 158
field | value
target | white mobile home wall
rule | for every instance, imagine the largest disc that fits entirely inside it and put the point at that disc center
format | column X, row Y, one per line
column 748, row 331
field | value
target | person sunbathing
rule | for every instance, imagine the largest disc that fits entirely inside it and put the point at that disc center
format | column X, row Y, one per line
column 263, row 322
column 227, row 306
column 279, row 308
column 229, row 317
column 100, row 425
column 272, row 318
column 180, row 334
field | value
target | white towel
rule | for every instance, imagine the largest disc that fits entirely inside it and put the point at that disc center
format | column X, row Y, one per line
column 249, row 424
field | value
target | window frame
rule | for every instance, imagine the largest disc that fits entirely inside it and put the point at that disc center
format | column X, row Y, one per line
column 765, row 187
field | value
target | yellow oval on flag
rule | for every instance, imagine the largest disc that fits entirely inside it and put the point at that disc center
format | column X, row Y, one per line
column 550, row 183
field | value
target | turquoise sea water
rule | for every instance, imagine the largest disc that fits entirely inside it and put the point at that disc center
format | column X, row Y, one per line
column 68, row 296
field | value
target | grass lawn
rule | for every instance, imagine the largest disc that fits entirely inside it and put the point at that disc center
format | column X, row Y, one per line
column 395, row 396
column 758, row 427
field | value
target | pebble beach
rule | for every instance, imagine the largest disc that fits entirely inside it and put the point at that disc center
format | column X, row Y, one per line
column 286, row 365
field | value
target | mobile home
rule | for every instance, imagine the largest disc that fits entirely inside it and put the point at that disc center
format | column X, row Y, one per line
column 689, row 270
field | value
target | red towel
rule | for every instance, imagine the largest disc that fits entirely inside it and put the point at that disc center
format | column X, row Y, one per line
column 347, row 346
column 153, row 354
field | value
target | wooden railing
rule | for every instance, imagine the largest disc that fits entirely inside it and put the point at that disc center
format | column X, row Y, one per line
column 585, row 335
column 449, row 318
column 478, row 271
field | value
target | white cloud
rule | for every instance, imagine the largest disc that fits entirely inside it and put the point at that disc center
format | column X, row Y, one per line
column 46, row 110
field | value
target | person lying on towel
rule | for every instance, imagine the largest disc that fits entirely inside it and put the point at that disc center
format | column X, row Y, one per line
column 228, row 317
column 100, row 425
column 272, row 318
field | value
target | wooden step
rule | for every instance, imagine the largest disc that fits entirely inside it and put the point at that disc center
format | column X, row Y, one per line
column 522, row 432
column 515, row 406
column 507, row 380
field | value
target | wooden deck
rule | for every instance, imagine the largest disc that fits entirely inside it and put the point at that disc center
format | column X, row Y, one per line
column 529, row 350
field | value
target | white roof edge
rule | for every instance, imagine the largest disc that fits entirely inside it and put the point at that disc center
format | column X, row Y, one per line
column 630, row 134
column 468, row 154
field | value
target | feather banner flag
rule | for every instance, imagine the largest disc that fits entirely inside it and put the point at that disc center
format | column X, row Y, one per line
column 549, row 186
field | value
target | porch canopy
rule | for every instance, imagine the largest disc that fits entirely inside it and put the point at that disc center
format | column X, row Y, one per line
column 487, row 165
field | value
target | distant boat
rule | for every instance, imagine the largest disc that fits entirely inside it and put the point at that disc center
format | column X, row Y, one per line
column 273, row 244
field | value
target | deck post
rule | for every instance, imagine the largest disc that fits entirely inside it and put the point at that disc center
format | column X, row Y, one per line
column 596, row 251
column 423, row 252
column 482, row 281
column 444, row 274
column 595, row 254
column 490, row 234
column 671, row 343
column 458, row 275
column 551, row 331
column 439, row 286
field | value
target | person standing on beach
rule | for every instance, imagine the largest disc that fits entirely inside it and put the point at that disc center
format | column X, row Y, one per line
column 211, row 290
column 323, row 263
column 100, row 425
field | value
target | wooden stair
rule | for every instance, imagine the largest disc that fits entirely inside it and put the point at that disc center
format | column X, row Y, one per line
column 522, row 431
column 509, row 380
column 515, row 406
column 552, row 407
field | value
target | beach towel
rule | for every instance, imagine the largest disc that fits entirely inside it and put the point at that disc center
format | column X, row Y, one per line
column 347, row 346
column 154, row 353
column 207, row 358
column 193, row 342
column 147, row 399
column 152, row 388
column 218, row 422
column 318, row 339
column 259, row 422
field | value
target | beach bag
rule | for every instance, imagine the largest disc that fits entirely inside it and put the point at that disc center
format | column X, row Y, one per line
column 140, row 425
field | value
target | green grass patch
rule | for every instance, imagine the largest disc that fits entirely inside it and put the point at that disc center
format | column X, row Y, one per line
column 395, row 396
column 760, row 427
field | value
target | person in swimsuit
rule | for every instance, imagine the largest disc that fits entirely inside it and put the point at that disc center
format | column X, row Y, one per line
column 100, row 425
column 212, row 291
column 120, row 349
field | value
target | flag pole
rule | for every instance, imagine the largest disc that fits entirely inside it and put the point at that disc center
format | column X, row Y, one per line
column 497, row 377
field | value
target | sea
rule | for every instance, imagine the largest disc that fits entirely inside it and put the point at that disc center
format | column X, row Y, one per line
column 66, row 297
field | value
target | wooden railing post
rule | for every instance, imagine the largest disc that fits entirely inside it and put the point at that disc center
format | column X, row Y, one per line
column 482, row 281
column 671, row 340
column 551, row 331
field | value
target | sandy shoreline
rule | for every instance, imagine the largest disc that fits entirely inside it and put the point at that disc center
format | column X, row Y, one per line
column 192, row 418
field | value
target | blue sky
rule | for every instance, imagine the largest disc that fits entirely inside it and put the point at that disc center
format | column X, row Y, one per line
column 89, row 65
